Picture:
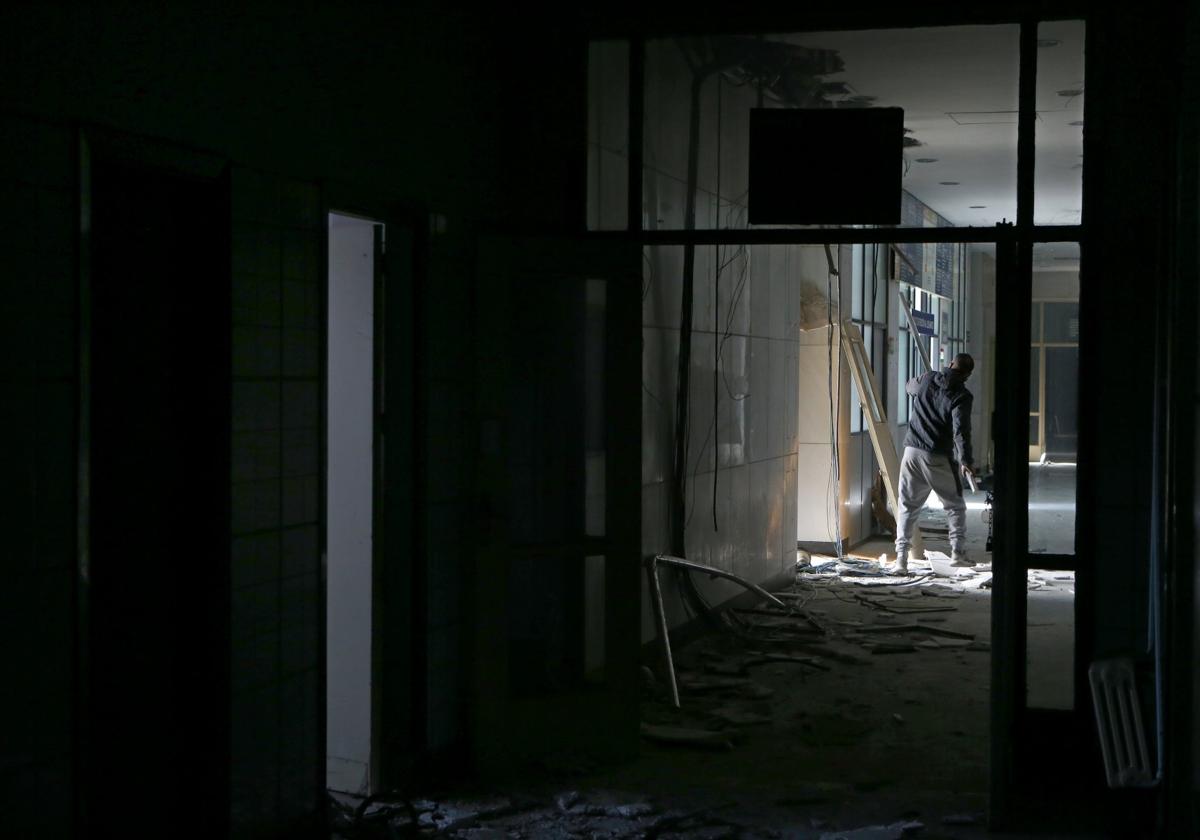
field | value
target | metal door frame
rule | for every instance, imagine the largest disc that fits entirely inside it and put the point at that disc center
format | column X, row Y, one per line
column 1014, row 246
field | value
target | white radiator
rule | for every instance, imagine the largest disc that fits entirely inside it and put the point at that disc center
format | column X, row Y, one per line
column 1119, row 719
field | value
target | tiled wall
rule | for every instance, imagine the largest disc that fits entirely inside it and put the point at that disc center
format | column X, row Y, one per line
column 277, row 765
column 38, row 225
column 750, row 452
column 447, row 313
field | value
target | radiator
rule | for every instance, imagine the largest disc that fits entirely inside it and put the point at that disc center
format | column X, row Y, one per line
column 1119, row 720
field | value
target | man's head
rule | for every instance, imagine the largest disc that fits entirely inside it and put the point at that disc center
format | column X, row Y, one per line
column 963, row 365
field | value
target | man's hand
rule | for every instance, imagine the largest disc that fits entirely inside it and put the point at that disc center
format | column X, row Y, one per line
column 969, row 473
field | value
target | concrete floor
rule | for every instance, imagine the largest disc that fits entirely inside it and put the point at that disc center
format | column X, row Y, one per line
column 1052, row 508
column 868, row 724
column 882, row 726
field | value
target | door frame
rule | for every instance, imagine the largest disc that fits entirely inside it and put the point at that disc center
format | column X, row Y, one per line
column 399, row 614
column 98, row 144
column 509, row 728
column 1014, row 243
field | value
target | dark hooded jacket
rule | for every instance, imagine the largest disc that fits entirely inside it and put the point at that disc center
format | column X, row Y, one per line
column 940, row 420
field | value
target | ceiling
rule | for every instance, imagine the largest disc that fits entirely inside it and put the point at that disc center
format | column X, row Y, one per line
column 958, row 87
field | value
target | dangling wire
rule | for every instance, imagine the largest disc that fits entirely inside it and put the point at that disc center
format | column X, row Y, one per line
column 835, row 471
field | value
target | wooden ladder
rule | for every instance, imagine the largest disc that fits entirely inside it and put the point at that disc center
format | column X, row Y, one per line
column 875, row 418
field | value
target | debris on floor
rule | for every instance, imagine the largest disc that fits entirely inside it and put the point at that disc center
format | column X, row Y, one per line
column 895, row 831
column 686, row 737
column 571, row 815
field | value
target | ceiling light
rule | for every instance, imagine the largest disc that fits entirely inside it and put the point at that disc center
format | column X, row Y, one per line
column 927, row 160
column 949, row 183
column 1071, row 92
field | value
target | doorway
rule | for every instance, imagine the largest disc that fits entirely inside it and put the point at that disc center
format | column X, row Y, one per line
column 158, row 447
column 355, row 248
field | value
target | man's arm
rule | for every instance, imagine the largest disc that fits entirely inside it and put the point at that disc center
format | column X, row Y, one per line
column 913, row 386
column 960, row 414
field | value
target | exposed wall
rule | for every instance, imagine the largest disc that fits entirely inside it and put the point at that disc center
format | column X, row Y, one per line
column 824, row 386
column 749, row 453
column 275, row 627
column 373, row 98
column 745, row 350
column 982, row 346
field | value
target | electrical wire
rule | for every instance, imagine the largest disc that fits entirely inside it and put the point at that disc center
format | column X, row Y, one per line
column 835, row 471
column 716, row 298
column 649, row 273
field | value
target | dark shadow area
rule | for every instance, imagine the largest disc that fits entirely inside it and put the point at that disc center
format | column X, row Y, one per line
column 157, row 722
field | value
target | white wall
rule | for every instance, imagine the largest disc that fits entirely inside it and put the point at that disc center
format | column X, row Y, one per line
column 982, row 346
column 349, row 502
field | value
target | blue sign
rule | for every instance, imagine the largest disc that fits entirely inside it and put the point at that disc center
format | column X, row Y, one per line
column 924, row 322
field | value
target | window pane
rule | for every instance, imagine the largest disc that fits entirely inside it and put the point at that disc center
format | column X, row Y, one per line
column 1062, row 402
column 1050, row 640
column 856, row 282
column 877, row 282
column 595, row 455
column 1035, row 323
column 1062, row 322
column 1052, row 490
column 594, row 608
column 957, row 86
column 1058, row 164
column 1035, row 380
column 608, row 135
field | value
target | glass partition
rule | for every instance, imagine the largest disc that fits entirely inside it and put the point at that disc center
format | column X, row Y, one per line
column 1058, row 157
column 957, row 87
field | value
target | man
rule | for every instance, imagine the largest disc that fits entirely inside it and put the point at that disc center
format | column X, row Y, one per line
column 939, row 432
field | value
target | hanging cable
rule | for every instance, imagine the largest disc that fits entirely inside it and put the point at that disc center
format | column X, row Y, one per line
column 716, row 324
column 835, row 471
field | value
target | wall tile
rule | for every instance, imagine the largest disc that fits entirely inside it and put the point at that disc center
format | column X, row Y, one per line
column 299, row 204
column 301, row 256
column 256, row 352
column 256, row 300
column 256, row 250
column 299, row 500
column 301, row 405
column 301, row 304
column 256, row 197
column 256, row 455
column 301, row 352
column 300, row 551
column 256, row 506
column 255, row 406
column 301, row 452
column 255, row 558
column 255, row 610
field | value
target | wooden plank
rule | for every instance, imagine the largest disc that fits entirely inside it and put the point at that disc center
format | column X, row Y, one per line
column 875, row 417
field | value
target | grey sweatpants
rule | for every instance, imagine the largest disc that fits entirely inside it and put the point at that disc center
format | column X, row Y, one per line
column 920, row 473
